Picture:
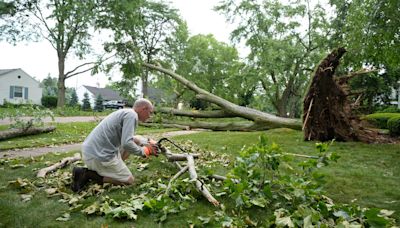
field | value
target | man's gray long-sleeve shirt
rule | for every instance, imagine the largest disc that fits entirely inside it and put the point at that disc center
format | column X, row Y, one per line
column 114, row 131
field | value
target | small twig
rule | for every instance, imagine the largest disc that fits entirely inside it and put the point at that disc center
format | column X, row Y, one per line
column 223, row 178
column 308, row 113
column 302, row 155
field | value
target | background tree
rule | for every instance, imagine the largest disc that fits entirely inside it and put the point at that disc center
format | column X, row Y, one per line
column 208, row 63
column 370, row 31
column 7, row 7
column 49, row 86
column 86, row 103
column 99, row 104
column 285, row 41
column 141, row 29
column 64, row 23
column 73, row 102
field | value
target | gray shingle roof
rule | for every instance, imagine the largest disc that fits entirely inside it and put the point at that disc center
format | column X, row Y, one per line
column 106, row 94
column 5, row 71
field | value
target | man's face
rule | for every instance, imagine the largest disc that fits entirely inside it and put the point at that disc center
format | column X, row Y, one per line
column 144, row 113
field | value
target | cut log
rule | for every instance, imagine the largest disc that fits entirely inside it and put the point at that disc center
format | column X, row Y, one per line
column 12, row 133
column 61, row 164
column 269, row 120
column 327, row 114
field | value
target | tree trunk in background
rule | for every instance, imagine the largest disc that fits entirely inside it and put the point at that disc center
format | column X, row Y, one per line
column 327, row 112
column 61, row 81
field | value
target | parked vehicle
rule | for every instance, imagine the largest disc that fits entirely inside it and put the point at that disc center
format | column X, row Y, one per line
column 114, row 104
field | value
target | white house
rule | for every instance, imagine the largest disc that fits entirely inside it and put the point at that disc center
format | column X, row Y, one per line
column 18, row 87
column 106, row 93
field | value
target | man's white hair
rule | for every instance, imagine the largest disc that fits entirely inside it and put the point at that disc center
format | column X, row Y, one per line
column 142, row 102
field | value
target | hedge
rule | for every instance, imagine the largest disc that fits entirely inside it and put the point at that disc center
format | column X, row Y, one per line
column 394, row 126
column 380, row 119
column 49, row 101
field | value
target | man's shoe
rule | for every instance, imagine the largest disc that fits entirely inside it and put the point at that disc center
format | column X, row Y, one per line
column 79, row 179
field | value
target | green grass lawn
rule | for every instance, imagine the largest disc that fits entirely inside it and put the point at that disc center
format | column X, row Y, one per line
column 367, row 174
column 65, row 133
column 60, row 112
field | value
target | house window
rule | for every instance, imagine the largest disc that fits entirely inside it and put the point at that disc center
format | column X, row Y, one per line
column 18, row 91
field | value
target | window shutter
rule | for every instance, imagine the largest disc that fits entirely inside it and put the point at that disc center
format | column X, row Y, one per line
column 26, row 93
column 11, row 92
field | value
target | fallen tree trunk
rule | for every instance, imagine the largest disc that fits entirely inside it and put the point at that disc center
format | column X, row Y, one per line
column 229, row 126
column 12, row 133
column 327, row 112
column 61, row 164
column 196, row 113
column 266, row 119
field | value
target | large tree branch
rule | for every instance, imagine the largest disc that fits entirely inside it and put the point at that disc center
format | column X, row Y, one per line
column 73, row 72
column 269, row 120
column 196, row 113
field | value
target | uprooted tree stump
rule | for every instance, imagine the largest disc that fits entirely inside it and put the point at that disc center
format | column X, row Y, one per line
column 327, row 113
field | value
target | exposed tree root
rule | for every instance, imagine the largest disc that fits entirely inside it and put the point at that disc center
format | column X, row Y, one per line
column 327, row 113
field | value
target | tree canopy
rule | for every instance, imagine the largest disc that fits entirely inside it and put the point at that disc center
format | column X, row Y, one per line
column 65, row 24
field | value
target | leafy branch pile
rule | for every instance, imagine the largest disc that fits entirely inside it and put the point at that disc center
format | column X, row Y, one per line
column 265, row 187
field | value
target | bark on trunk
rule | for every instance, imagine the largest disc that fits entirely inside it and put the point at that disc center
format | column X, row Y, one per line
column 12, row 133
column 196, row 113
column 327, row 112
column 229, row 126
column 61, row 80
column 268, row 120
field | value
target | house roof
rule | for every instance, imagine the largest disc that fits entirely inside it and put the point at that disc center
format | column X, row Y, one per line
column 106, row 93
column 5, row 71
column 158, row 95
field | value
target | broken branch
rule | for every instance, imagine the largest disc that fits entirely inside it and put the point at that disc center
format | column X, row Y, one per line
column 61, row 164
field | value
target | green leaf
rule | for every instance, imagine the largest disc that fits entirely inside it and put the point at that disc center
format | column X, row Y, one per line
column 65, row 217
column 284, row 222
column 341, row 214
column 307, row 222
column 386, row 213
column 260, row 202
column 263, row 140
column 16, row 166
column 227, row 222
column 374, row 219
column 92, row 209
column 26, row 197
column 204, row 220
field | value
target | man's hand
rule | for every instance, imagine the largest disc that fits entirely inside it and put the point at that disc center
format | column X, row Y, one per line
column 150, row 149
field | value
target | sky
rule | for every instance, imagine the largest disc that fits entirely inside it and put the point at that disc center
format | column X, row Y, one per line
column 39, row 59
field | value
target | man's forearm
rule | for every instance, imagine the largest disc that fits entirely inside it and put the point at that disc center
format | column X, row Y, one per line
column 124, row 155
